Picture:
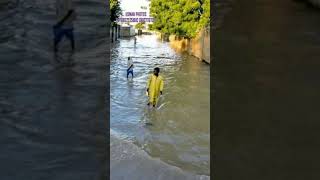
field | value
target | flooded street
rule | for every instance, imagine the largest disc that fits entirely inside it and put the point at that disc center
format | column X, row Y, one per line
column 267, row 91
column 52, row 122
column 177, row 131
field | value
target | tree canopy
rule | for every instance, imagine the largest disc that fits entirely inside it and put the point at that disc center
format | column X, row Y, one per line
column 180, row 17
column 140, row 25
column 115, row 10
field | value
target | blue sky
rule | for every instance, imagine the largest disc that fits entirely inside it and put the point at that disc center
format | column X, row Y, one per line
column 133, row 5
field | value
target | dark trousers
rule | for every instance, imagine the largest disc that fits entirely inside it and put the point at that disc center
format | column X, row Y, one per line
column 59, row 33
column 129, row 72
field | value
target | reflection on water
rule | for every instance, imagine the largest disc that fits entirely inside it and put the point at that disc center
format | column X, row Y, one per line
column 177, row 131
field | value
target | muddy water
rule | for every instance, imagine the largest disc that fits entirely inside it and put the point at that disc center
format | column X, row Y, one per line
column 267, row 91
column 179, row 130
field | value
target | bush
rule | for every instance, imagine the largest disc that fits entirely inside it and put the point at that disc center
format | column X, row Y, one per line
column 180, row 17
column 150, row 27
column 140, row 25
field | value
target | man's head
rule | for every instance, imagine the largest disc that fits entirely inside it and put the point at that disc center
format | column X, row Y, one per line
column 129, row 58
column 156, row 71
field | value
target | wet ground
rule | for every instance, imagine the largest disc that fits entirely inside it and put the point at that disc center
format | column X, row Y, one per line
column 52, row 109
column 177, row 130
column 129, row 162
column 267, row 91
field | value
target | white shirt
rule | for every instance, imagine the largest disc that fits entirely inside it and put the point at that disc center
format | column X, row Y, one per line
column 129, row 64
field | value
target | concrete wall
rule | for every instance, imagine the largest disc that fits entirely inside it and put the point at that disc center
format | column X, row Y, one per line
column 198, row 46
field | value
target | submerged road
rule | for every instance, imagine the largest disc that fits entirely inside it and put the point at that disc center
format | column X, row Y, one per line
column 177, row 133
column 52, row 110
column 266, row 108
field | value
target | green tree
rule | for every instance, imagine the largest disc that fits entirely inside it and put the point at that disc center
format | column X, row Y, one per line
column 205, row 17
column 140, row 25
column 183, row 18
column 150, row 27
column 115, row 11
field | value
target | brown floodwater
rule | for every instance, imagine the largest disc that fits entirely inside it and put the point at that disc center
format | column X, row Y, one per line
column 179, row 134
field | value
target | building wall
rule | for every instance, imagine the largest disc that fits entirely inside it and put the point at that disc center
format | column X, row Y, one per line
column 127, row 31
column 198, row 46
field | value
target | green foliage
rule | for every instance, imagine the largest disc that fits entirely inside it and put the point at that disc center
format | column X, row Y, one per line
column 115, row 10
column 150, row 27
column 180, row 17
column 140, row 25
column 205, row 18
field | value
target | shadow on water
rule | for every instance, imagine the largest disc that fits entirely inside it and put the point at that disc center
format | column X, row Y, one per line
column 52, row 122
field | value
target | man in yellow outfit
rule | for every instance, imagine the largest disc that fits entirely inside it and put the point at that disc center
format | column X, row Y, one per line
column 154, row 87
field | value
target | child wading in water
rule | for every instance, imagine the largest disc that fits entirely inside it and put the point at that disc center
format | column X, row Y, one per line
column 154, row 87
column 130, row 67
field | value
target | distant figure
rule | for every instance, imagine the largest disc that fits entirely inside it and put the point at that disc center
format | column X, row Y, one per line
column 135, row 40
column 64, row 27
column 130, row 67
column 154, row 87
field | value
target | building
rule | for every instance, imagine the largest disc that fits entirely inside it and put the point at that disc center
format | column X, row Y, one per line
column 127, row 30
